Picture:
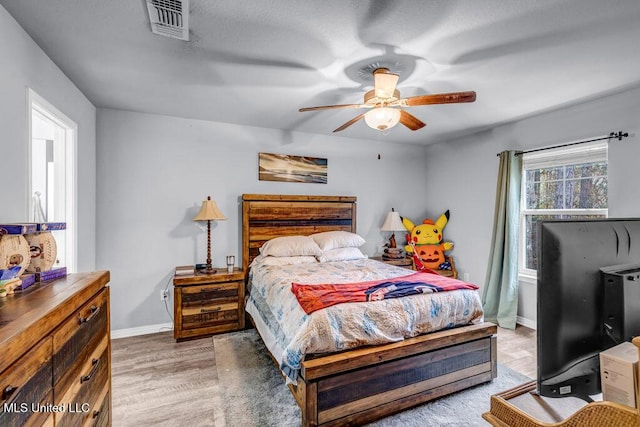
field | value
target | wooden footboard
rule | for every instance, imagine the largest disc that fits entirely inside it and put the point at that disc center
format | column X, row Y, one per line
column 359, row 386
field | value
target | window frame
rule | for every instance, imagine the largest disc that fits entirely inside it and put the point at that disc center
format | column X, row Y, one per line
column 564, row 156
column 36, row 102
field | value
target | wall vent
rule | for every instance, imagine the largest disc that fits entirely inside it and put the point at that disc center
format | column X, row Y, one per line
column 169, row 18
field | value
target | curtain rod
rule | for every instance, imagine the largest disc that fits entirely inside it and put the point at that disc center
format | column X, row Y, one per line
column 618, row 135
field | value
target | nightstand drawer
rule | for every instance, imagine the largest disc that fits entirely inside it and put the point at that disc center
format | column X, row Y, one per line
column 197, row 295
column 210, row 305
column 209, row 315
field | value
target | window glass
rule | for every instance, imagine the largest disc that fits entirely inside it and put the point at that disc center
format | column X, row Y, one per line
column 560, row 184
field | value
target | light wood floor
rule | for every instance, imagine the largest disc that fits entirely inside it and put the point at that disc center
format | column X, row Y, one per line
column 155, row 378
column 517, row 350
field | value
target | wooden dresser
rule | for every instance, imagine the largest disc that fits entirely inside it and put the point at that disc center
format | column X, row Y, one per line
column 55, row 357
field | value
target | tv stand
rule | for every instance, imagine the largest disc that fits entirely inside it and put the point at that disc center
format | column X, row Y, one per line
column 582, row 380
column 522, row 407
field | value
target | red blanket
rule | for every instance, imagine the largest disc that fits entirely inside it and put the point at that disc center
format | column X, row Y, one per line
column 313, row 297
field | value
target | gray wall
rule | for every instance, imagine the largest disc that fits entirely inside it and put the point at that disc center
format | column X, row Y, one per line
column 154, row 171
column 25, row 65
column 465, row 171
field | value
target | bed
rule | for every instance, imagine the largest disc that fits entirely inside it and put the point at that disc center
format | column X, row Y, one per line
column 363, row 384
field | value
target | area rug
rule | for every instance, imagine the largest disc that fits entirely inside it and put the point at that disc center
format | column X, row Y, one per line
column 253, row 392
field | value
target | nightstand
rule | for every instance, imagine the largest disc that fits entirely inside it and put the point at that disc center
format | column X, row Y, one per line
column 207, row 304
column 449, row 273
column 400, row 262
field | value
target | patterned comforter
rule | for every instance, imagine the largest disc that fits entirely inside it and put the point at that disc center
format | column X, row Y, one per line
column 289, row 333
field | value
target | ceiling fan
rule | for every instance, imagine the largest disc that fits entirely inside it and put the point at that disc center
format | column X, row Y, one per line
column 384, row 103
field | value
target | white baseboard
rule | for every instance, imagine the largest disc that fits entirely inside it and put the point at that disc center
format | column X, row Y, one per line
column 526, row 322
column 141, row 330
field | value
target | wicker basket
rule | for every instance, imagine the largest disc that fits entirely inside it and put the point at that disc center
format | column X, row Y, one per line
column 595, row 414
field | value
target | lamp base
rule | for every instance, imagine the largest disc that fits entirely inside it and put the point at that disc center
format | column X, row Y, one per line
column 393, row 253
column 207, row 270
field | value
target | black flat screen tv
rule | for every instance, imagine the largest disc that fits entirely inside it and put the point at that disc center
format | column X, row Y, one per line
column 570, row 293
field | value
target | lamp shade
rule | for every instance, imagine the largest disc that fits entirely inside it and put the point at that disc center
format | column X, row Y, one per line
column 393, row 222
column 209, row 211
column 382, row 118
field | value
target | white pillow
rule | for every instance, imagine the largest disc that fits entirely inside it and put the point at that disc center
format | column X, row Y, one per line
column 291, row 246
column 341, row 254
column 337, row 239
column 283, row 260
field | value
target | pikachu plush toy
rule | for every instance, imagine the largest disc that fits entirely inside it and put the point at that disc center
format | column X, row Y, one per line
column 425, row 240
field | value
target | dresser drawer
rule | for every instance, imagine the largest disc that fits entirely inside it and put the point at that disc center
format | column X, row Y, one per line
column 26, row 388
column 210, row 305
column 78, row 336
column 85, row 394
column 100, row 414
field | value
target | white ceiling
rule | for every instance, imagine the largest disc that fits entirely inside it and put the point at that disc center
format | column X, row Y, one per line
column 257, row 62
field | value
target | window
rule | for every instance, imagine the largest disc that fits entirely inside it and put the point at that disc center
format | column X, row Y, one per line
column 52, row 165
column 563, row 183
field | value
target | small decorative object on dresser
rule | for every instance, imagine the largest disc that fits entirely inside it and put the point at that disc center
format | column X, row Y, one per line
column 207, row 304
column 209, row 212
column 44, row 249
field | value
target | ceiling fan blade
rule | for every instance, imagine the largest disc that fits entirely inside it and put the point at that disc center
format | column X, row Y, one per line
column 329, row 107
column 411, row 121
column 441, row 98
column 349, row 123
column 384, row 83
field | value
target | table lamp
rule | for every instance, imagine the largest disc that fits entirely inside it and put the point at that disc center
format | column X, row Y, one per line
column 209, row 212
column 393, row 223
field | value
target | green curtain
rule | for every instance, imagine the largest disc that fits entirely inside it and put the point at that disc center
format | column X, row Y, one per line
column 500, row 292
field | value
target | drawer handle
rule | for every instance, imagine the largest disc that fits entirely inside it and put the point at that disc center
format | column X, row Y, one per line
column 8, row 392
column 94, row 312
column 85, row 378
column 210, row 290
column 212, row 310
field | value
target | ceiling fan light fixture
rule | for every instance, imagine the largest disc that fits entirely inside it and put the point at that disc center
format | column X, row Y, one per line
column 382, row 118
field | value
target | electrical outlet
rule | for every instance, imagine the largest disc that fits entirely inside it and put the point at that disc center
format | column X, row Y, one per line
column 465, row 277
column 164, row 294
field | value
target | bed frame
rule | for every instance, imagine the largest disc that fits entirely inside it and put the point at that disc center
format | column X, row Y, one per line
column 358, row 386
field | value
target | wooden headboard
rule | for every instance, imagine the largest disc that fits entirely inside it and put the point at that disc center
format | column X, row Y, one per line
column 265, row 216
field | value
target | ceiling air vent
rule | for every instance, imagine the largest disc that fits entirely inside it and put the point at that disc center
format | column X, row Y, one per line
column 169, row 18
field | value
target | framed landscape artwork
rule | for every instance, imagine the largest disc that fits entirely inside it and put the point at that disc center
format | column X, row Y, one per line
column 286, row 168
